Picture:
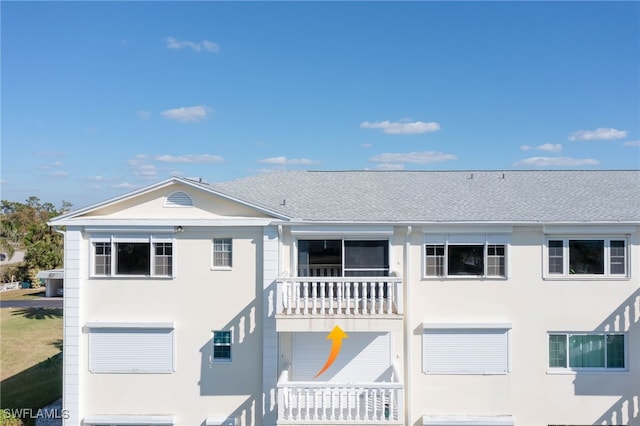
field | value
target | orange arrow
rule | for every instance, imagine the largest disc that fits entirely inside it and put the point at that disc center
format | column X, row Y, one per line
column 336, row 335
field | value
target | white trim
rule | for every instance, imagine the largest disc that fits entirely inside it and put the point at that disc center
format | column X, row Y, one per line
column 505, row 420
column 109, row 420
column 589, row 229
column 111, row 229
column 471, row 228
column 466, row 325
column 130, row 325
column 344, row 232
column 220, row 421
column 68, row 218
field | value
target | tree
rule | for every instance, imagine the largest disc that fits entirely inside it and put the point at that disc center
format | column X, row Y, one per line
column 24, row 227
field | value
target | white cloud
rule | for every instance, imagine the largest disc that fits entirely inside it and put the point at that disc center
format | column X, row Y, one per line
column 58, row 174
column 201, row 158
column 187, row 114
column 549, row 147
column 366, row 145
column 389, row 166
column 209, row 46
column 402, row 127
column 425, row 157
column 141, row 169
column 143, row 115
column 284, row 161
column 556, row 162
column 124, row 185
column 601, row 133
column 632, row 143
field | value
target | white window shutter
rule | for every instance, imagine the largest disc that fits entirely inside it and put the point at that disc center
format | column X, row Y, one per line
column 131, row 350
column 465, row 351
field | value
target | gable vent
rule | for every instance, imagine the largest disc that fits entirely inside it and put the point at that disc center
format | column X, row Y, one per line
column 178, row 199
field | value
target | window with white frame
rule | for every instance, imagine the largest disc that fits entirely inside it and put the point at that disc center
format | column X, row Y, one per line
column 458, row 255
column 465, row 349
column 222, row 253
column 132, row 256
column 579, row 257
column 578, row 351
column 221, row 346
column 343, row 257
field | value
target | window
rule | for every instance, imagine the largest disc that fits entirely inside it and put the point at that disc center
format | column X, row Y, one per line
column 465, row 255
column 586, row 351
column 138, row 256
column 103, row 259
column 583, row 256
column 131, row 349
column 221, row 346
column 466, row 349
column 349, row 258
column 222, row 253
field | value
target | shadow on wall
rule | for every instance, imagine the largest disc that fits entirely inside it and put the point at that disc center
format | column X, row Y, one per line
column 626, row 410
column 225, row 378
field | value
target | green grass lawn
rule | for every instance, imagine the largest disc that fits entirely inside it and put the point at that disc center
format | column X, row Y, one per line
column 29, row 376
column 22, row 294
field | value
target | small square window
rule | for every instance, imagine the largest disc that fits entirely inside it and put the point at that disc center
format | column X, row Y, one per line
column 221, row 346
column 222, row 253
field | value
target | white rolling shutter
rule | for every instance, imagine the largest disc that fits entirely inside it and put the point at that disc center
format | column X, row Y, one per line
column 131, row 350
column 363, row 357
column 465, row 351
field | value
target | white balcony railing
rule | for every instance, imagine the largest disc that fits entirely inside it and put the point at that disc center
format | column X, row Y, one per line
column 340, row 295
column 335, row 403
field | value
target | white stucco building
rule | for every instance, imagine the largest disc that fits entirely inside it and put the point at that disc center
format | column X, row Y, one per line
column 468, row 298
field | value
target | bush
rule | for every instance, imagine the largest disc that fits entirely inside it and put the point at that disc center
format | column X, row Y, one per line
column 8, row 419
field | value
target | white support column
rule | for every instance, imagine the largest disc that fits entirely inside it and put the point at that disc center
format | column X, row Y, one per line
column 270, row 272
column 73, row 273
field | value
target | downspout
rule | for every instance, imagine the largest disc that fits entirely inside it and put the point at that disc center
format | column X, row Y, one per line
column 280, row 268
column 407, row 323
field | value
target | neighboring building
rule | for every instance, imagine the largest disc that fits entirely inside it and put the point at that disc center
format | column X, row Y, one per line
column 53, row 280
column 468, row 298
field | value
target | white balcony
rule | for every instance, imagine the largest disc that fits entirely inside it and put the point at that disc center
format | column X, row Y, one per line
column 328, row 403
column 333, row 295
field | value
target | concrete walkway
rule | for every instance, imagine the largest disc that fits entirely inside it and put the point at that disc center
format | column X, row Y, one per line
column 43, row 302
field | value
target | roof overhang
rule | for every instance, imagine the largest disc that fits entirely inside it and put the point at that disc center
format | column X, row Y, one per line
column 54, row 274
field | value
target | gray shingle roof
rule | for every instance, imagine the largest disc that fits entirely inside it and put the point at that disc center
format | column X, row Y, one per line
column 445, row 196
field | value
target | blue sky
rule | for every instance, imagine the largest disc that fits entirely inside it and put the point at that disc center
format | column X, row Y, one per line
column 100, row 98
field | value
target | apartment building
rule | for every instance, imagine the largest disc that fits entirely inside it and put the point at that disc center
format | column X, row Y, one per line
column 357, row 297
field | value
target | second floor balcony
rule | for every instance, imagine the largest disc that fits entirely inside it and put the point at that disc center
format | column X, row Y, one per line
column 340, row 296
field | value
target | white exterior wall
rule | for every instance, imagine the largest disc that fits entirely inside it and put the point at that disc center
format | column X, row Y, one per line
column 197, row 301
column 534, row 307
